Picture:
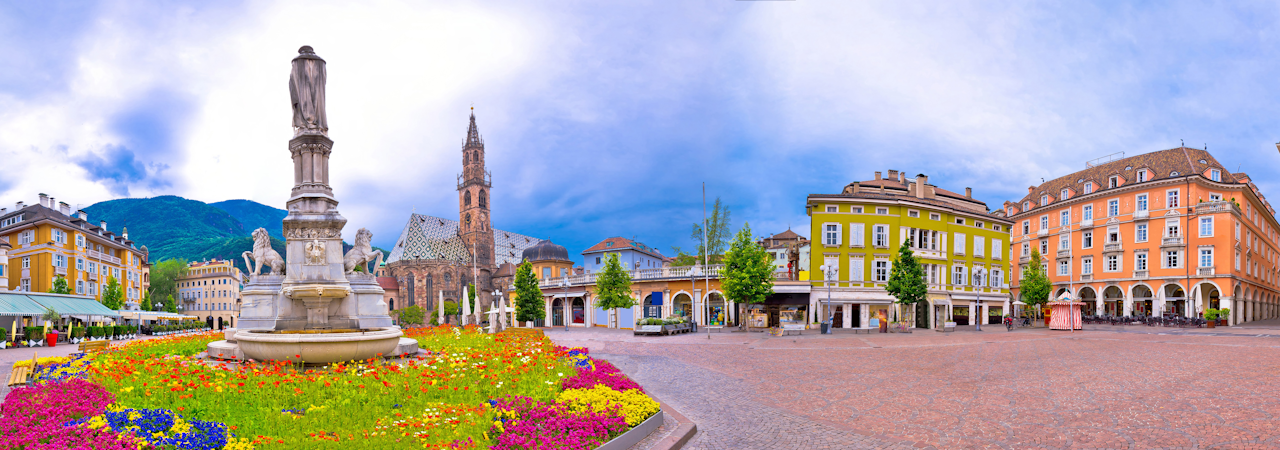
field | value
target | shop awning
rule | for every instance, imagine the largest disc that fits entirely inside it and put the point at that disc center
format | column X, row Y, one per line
column 67, row 305
column 19, row 305
column 153, row 315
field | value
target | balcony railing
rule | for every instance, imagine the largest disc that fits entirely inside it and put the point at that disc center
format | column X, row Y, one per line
column 665, row 273
column 1140, row 274
column 1044, row 231
column 1087, row 223
column 1024, row 259
column 60, row 270
column 1216, row 207
column 1173, row 240
column 1116, row 247
column 1205, row 271
column 1086, row 277
column 1143, row 214
column 1064, row 253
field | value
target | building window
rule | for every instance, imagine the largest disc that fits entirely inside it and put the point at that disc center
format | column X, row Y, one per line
column 995, row 227
column 832, row 208
column 1044, row 199
column 1237, row 259
column 1064, row 218
column 1064, row 194
column 882, row 211
column 1088, row 187
column 1113, row 208
column 1173, row 259
column 1172, row 196
column 957, row 275
column 1142, row 202
column 59, row 237
column 1026, row 249
column 996, row 250
column 1206, row 257
column 1064, row 242
column 855, row 269
column 1086, row 240
column 1215, row 197
column 1113, row 235
column 1172, row 228
column 832, row 234
column 1206, row 226
column 597, row 260
column 80, row 287
column 979, row 250
column 1088, row 212
column 959, row 244
column 855, row 209
column 1112, row 263
column 546, row 273
column 1140, row 261
column 959, row 221
column 1026, row 206
column 26, row 262
column 1140, row 233
column 881, row 236
column 977, row 224
column 1142, row 176
column 25, row 285
column 1044, row 246
column 59, row 261
column 913, row 213
column 856, row 234
column 1086, row 266
column 935, row 216
column 1215, row 175
column 882, row 270
column 1044, row 222
column 1064, row 266
column 1113, row 182
column 997, row 278
column 1026, row 227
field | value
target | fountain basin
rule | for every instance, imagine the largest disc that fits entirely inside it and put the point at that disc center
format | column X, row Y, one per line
column 318, row 346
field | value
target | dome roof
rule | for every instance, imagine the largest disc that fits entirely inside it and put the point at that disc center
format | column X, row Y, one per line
column 545, row 250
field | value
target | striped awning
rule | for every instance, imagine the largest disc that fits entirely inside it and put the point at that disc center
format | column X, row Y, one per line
column 12, row 304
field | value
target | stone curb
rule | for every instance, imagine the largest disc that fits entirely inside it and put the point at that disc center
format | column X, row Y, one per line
column 679, row 436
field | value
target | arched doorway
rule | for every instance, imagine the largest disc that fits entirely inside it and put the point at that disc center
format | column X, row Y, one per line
column 231, row 322
column 391, row 304
column 578, row 311
column 557, row 313
column 1113, row 300
column 219, row 323
column 1142, row 299
column 716, row 312
column 682, row 305
column 1175, row 300
column 1090, row 299
column 208, row 322
column 1212, row 298
column 650, row 309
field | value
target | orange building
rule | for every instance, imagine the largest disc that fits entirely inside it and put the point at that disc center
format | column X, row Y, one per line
column 1170, row 231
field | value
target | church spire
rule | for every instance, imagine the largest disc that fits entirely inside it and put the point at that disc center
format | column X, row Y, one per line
column 473, row 135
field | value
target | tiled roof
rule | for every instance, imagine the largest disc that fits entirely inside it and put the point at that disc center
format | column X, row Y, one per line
column 786, row 235
column 621, row 243
column 1163, row 164
column 35, row 212
column 960, row 203
column 388, row 283
column 429, row 237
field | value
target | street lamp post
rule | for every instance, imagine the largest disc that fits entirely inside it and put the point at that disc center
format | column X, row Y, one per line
column 564, row 283
column 694, row 273
column 979, row 273
column 830, row 273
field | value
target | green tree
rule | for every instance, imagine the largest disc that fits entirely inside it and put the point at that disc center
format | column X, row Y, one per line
column 717, row 235
column 1035, row 286
column 164, row 278
column 748, row 273
column 613, row 286
column 906, row 279
column 410, row 316
column 170, row 305
column 529, row 306
column 146, row 301
column 60, row 286
column 112, row 297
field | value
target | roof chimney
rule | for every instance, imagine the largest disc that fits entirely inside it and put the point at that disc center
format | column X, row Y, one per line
column 18, row 206
column 893, row 174
column 83, row 215
column 44, row 200
column 902, row 177
column 64, row 208
column 877, row 177
column 921, row 181
column 1031, row 190
column 968, row 192
column 103, row 224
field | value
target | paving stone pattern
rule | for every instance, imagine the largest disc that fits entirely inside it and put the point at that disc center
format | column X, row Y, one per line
column 1129, row 388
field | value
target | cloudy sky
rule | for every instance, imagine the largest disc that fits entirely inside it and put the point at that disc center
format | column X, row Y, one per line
column 603, row 119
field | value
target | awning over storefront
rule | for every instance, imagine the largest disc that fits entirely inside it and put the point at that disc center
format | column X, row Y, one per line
column 153, row 315
column 68, row 305
column 19, row 305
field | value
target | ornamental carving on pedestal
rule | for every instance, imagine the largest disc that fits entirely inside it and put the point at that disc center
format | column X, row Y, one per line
column 315, row 253
column 313, row 233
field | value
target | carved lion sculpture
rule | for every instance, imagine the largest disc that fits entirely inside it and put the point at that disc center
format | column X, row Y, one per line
column 262, row 254
column 362, row 253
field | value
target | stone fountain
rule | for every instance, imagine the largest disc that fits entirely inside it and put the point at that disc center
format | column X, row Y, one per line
column 312, row 304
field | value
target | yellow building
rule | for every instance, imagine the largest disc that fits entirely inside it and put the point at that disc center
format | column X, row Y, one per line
column 211, row 291
column 49, row 241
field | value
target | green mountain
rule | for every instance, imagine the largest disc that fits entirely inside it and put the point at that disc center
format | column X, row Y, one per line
column 254, row 215
column 175, row 227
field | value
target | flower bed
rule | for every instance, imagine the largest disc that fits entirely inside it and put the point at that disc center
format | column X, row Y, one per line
column 514, row 390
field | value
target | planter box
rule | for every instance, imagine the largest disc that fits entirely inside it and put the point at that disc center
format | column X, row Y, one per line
column 634, row 435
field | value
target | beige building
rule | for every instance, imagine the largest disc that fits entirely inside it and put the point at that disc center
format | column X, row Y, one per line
column 211, row 291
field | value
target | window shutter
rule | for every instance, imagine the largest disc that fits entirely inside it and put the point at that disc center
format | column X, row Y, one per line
column 902, row 235
column 857, row 233
column 839, row 233
column 943, row 246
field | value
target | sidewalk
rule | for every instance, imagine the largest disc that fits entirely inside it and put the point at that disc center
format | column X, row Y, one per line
column 9, row 356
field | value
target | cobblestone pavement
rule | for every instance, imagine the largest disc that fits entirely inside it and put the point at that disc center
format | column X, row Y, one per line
column 1128, row 387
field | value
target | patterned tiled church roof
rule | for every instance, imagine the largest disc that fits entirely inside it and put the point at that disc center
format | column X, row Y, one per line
column 430, row 237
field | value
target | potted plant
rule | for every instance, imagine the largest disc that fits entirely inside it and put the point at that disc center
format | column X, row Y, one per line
column 35, row 336
column 77, row 333
column 1223, row 314
column 1210, row 317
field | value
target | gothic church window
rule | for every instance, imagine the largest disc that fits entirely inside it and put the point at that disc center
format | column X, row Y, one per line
column 484, row 199
column 466, row 199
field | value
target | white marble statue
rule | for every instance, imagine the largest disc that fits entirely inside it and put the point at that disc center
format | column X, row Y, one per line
column 263, row 254
column 306, row 90
column 362, row 253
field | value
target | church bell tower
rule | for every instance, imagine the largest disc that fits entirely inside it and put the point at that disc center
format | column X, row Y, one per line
column 474, row 185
